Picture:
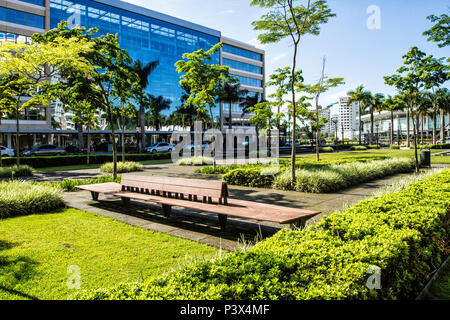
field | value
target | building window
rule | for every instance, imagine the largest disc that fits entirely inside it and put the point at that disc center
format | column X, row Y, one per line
column 24, row 18
column 242, row 52
column 242, row 66
column 249, row 81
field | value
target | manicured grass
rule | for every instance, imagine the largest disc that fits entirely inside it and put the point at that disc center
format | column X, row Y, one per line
column 37, row 250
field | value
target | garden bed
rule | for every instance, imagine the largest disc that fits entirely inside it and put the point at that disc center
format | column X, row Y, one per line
column 399, row 236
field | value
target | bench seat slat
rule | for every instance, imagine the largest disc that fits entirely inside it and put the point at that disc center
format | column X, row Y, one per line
column 235, row 208
column 107, row 188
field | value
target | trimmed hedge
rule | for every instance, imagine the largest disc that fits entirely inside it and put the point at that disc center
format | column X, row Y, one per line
column 18, row 198
column 403, row 235
column 248, row 177
column 358, row 148
column 122, row 167
column 195, row 161
column 59, row 161
column 16, row 171
column 70, row 185
column 394, row 147
column 373, row 146
column 440, row 146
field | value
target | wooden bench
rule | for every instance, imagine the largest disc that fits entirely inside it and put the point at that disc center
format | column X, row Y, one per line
column 201, row 195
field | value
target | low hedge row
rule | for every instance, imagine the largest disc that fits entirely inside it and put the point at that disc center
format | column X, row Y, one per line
column 403, row 236
column 248, row 177
column 59, row 161
column 358, row 148
column 122, row 167
column 70, row 185
column 440, row 146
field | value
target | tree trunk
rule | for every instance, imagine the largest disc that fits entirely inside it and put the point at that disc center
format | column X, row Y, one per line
column 442, row 126
column 80, row 133
column 391, row 135
column 416, row 158
column 421, row 129
column 123, row 142
column 371, row 126
column 114, row 146
column 360, row 128
column 434, row 127
column 317, row 133
column 408, row 143
column 230, row 121
column 17, row 135
column 142, row 124
column 88, row 145
column 294, row 115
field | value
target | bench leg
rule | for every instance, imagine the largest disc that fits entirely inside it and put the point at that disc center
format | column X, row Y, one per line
column 94, row 195
column 167, row 210
column 222, row 221
column 299, row 224
column 126, row 201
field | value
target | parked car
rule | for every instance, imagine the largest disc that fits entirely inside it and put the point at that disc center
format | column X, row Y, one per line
column 45, row 150
column 159, row 147
column 446, row 140
column 191, row 146
column 6, row 152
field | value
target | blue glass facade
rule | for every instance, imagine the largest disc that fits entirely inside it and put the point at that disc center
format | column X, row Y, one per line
column 145, row 38
column 36, row 2
column 242, row 52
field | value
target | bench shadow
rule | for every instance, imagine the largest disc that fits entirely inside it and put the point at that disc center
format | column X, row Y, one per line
column 15, row 270
column 191, row 220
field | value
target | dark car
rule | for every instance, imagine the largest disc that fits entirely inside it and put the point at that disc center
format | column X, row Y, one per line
column 45, row 150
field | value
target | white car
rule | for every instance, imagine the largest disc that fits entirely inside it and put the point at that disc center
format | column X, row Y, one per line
column 159, row 147
column 6, row 152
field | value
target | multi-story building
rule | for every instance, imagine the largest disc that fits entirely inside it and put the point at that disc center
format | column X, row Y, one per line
column 348, row 119
column 146, row 34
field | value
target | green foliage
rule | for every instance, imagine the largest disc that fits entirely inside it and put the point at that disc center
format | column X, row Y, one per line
column 440, row 146
column 330, row 261
column 16, row 171
column 394, row 147
column 195, row 161
column 373, row 146
column 340, row 176
column 439, row 33
column 18, row 198
column 68, row 185
column 59, row 161
column 358, row 148
column 122, row 167
column 250, row 177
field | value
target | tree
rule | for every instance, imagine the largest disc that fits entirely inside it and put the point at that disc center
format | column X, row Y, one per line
column 280, row 80
column 30, row 66
column 440, row 31
column 392, row 104
column 286, row 19
column 362, row 97
column 143, row 72
column 409, row 80
column 231, row 92
column 316, row 90
column 156, row 106
column 6, row 101
column 376, row 106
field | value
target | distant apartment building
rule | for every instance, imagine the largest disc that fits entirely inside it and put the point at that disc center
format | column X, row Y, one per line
column 146, row 34
column 348, row 119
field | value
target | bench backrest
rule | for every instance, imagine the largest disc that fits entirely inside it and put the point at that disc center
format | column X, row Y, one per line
column 186, row 189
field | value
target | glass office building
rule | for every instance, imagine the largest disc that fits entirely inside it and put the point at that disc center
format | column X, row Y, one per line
column 146, row 34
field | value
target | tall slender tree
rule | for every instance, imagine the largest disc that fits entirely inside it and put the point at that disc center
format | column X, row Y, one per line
column 231, row 92
column 291, row 19
column 156, row 106
column 362, row 98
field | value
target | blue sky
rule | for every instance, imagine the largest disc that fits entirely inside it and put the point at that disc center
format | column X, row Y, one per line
column 358, row 54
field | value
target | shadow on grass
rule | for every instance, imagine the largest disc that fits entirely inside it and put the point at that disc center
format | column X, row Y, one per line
column 15, row 270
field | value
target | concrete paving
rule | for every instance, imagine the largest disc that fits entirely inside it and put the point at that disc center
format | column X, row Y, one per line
column 204, row 227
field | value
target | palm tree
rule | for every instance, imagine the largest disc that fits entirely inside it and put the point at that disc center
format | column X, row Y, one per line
column 443, row 104
column 143, row 72
column 424, row 109
column 231, row 92
column 156, row 105
column 376, row 105
column 362, row 97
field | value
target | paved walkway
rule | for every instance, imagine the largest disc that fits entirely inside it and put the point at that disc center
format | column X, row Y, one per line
column 204, row 227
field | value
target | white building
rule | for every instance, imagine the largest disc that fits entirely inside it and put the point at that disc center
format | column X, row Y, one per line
column 348, row 119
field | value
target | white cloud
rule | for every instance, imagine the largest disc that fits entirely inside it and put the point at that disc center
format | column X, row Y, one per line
column 279, row 57
column 228, row 12
column 255, row 42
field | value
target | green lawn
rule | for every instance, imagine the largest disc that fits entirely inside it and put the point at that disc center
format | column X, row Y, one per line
column 37, row 250
column 95, row 166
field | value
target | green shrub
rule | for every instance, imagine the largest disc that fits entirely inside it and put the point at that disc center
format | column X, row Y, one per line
column 195, row 161
column 59, row 161
column 122, row 167
column 16, row 171
column 373, row 146
column 440, row 146
column 394, row 147
column 19, row 198
column 401, row 235
column 70, row 185
column 324, row 149
column 250, row 177
column 340, row 176
column 358, row 148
